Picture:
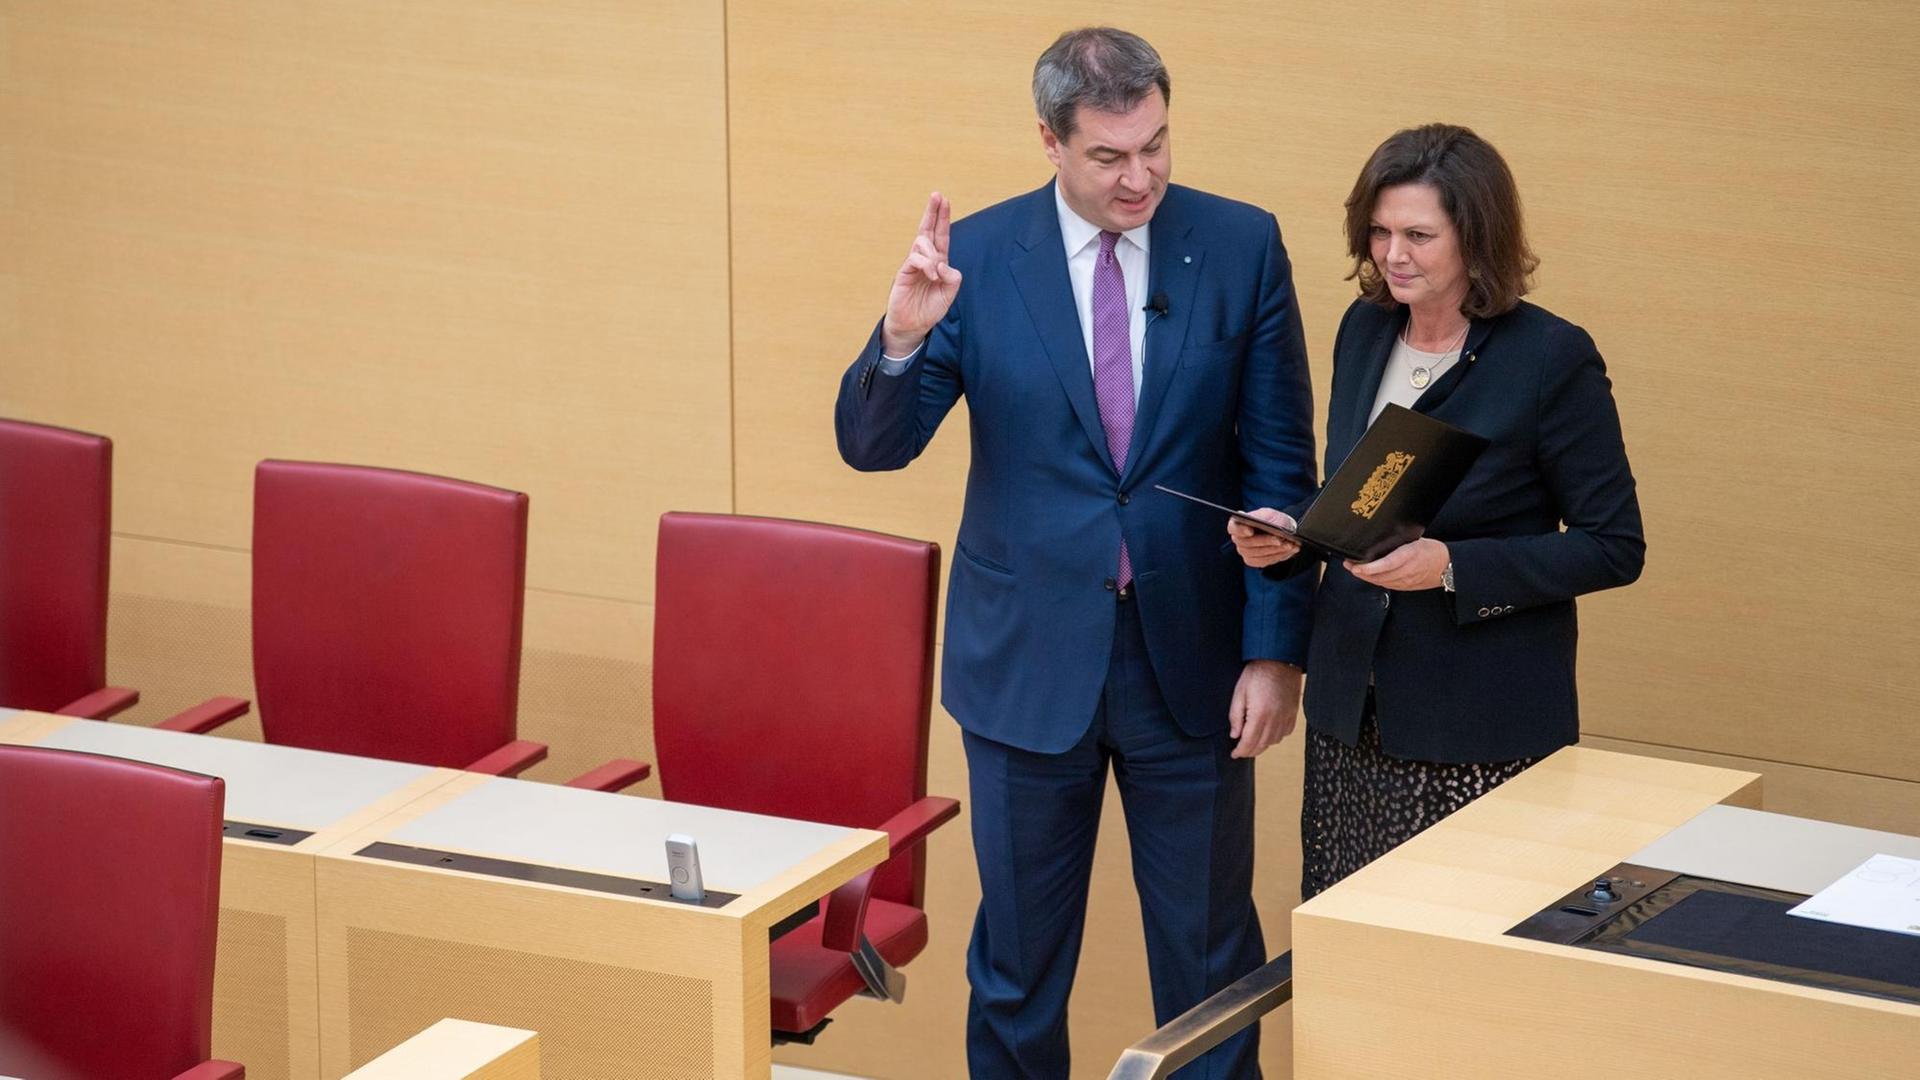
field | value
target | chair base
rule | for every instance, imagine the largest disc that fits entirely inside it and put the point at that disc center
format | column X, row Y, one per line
column 807, row 981
column 804, row 1038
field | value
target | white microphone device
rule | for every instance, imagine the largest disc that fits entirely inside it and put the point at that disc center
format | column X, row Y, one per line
column 683, row 868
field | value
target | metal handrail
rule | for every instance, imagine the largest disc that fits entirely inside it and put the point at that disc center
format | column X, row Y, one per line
column 1209, row 1023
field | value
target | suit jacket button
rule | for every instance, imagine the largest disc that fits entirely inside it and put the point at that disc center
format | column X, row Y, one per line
column 1484, row 612
column 1124, row 498
column 1107, row 584
column 1508, row 610
column 1386, row 600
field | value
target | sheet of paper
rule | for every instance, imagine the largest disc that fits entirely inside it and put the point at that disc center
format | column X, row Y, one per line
column 1882, row 893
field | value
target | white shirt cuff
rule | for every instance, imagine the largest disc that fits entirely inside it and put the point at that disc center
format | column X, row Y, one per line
column 894, row 365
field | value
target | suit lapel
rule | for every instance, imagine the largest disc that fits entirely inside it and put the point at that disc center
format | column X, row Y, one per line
column 1173, row 268
column 1444, row 387
column 1039, row 271
column 1368, row 387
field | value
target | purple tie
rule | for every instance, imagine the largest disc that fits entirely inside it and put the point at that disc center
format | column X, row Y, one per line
column 1113, row 366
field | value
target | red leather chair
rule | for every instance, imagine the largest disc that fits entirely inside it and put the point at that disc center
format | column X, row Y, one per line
column 109, row 910
column 386, row 617
column 793, row 676
column 56, row 522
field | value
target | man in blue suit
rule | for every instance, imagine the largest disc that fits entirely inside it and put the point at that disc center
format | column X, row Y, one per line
column 1110, row 332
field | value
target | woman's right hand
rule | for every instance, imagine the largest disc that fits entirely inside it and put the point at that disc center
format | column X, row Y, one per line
column 1261, row 549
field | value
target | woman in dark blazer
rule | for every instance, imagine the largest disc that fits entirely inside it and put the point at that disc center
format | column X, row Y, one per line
column 1447, row 666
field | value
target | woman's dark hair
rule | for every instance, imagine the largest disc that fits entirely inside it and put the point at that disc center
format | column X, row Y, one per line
column 1476, row 190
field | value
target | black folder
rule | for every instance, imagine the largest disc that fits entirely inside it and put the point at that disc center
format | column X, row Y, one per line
column 1388, row 490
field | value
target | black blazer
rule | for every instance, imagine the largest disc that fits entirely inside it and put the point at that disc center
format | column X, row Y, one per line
column 1486, row 673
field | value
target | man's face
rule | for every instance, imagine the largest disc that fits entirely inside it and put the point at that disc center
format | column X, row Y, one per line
column 1114, row 168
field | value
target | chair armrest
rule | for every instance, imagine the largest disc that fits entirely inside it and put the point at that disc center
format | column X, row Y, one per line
column 616, row 775
column 101, row 704
column 206, row 716
column 847, row 907
column 512, row 759
column 1209, row 1023
column 910, row 826
column 214, row 1070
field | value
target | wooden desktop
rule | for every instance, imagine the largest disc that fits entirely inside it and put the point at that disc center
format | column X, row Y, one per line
column 1405, row 968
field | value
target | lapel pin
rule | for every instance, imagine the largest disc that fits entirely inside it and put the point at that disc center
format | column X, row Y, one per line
column 1187, row 259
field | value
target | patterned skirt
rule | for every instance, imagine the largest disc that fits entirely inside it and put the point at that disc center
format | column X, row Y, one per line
column 1359, row 804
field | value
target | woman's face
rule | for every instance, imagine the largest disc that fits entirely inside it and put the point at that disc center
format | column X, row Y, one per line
column 1416, row 248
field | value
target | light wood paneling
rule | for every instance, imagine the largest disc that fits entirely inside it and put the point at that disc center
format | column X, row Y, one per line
column 266, row 987
column 399, row 942
column 1539, row 1010
column 178, row 630
column 485, row 239
column 459, row 1050
column 1405, row 969
column 1509, row 854
column 586, row 683
column 1870, row 802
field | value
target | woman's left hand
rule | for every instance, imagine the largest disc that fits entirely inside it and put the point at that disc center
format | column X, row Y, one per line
column 1406, row 568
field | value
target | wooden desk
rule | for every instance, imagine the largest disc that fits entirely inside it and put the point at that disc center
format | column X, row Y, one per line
column 459, row 1050
column 1404, row 969
column 616, row 985
column 266, row 993
column 21, row 727
column 328, row 957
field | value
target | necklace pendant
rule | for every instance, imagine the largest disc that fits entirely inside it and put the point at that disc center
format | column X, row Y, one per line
column 1420, row 378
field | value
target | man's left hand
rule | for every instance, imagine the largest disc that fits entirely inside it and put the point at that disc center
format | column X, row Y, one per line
column 1407, row 568
column 1266, row 705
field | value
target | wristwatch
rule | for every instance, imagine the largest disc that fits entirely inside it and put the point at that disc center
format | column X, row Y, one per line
column 1446, row 577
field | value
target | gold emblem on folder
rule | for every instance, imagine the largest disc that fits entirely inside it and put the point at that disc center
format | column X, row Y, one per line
column 1380, row 484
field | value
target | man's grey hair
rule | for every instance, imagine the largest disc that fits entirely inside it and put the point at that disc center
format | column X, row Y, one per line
column 1099, row 67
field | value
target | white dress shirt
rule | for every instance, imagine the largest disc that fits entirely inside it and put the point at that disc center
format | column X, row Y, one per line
column 1396, row 383
column 1081, row 238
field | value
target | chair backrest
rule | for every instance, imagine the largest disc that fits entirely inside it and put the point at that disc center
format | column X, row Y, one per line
column 386, row 611
column 793, row 672
column 109, row 911
column 56, row 502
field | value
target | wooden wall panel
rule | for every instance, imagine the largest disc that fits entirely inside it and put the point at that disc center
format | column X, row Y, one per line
column 178, row 629
column 1870, row 802
column 482, row 238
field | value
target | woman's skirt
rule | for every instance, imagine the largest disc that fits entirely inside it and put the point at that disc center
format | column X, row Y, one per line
column 1359, row 804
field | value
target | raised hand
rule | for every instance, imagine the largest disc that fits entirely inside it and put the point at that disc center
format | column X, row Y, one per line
column 924, row 288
